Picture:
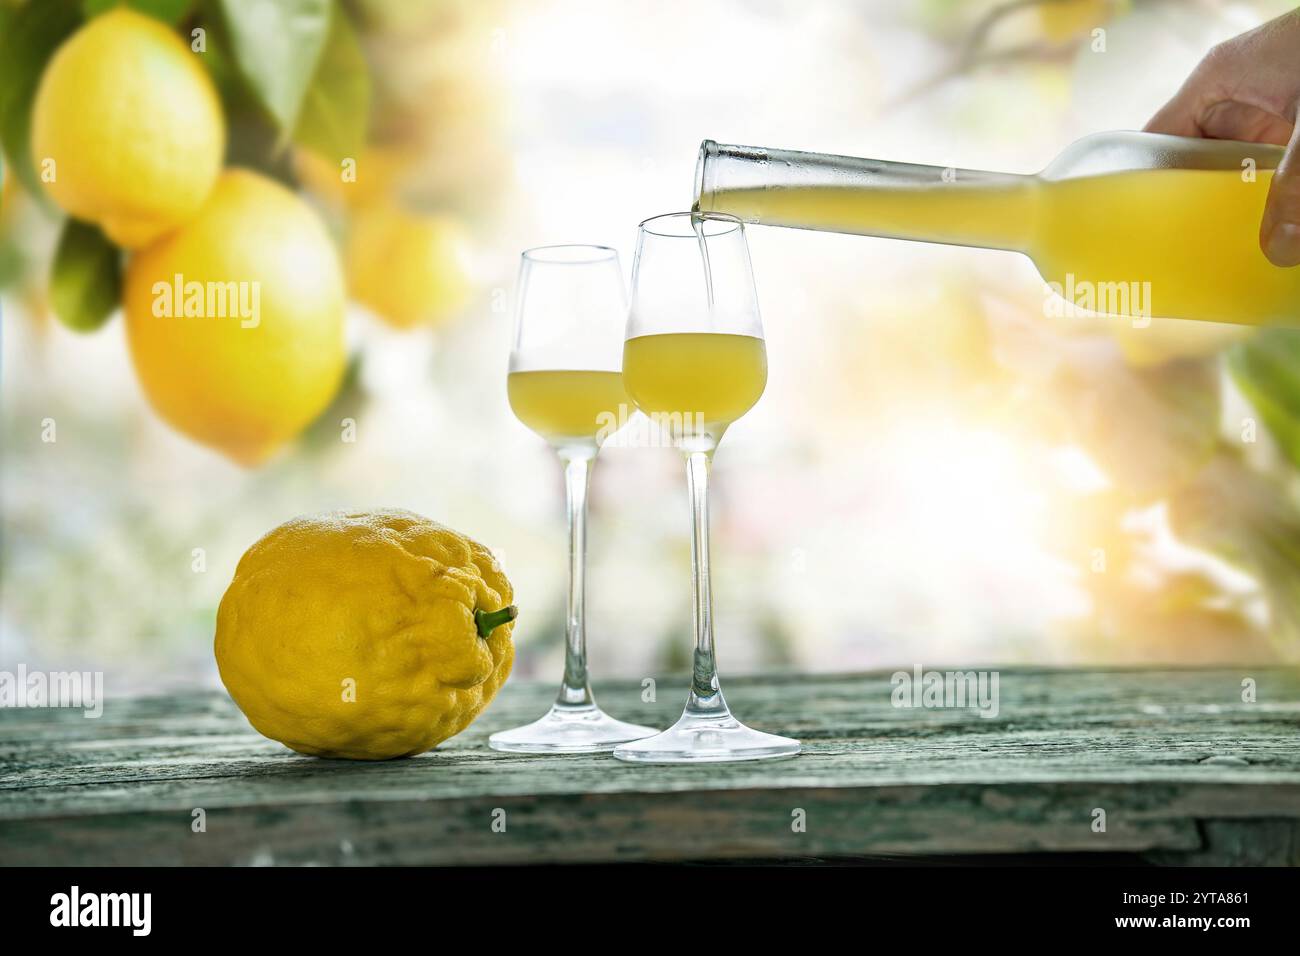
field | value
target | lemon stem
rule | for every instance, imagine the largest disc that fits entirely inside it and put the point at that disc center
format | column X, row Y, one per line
column 488, row 621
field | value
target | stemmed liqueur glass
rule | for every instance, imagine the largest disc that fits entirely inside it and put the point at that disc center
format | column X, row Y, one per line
column 565, row 384
column 694, row 361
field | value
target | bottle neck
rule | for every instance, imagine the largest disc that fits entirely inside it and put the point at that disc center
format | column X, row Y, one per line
column 869, row 197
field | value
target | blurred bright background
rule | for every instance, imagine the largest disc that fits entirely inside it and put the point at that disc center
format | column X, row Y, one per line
column 936, row 474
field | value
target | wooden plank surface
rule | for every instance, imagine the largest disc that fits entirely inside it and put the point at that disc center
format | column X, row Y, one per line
column 1182, row 767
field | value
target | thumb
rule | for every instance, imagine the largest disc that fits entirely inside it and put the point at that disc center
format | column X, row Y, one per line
column 1279, row 231
column 1176, row 118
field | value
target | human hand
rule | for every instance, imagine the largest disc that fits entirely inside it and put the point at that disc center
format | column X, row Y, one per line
column 1247, row 88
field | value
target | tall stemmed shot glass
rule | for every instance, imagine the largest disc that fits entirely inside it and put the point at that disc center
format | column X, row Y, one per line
column 565, row 384
column 694, row 361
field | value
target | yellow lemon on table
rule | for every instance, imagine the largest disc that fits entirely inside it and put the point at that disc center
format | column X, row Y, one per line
column 365, row 635
column 409, row 269
column 235, row 321
column 127, row 129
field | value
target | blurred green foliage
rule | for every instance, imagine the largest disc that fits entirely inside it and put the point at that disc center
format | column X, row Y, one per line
column 86, row 280
column 29, row 34
column 1267, row 370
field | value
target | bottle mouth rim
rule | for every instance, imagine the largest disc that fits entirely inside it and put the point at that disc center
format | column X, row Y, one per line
column 708, row 150
column 685, row 225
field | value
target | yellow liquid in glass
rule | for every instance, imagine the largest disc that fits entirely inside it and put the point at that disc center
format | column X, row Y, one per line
column 568, row 407
column 1169, row 243
column 695, row 382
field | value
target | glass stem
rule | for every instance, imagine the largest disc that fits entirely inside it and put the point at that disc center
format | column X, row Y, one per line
column 706, row 695
column 575, row 691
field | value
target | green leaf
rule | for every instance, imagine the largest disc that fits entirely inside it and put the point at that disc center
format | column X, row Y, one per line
column 277, row 47
column 168, row 11
column 252, row 139
column 11, row 262
column 1266, row 368
column 86, row 279
column 336, row 111
column 29, row 34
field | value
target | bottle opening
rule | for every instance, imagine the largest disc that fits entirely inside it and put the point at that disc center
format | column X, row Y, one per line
column 700, row 201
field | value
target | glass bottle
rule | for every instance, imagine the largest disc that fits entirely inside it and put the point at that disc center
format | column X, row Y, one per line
column 1120, row 223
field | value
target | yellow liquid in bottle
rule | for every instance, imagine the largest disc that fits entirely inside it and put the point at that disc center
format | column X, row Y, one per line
column 695, row 383
column 1165, row 243
column 568, row 407
column 1192, row 234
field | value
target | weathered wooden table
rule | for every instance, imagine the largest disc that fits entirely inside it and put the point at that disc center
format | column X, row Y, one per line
column 1184, row 770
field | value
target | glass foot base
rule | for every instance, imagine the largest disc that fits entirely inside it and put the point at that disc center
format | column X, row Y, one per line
column 711, row 739
column 569, row 730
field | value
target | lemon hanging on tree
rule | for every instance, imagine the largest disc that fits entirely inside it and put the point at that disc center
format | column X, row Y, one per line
column 235, row 320
column 408, row 268
column 127, row 128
